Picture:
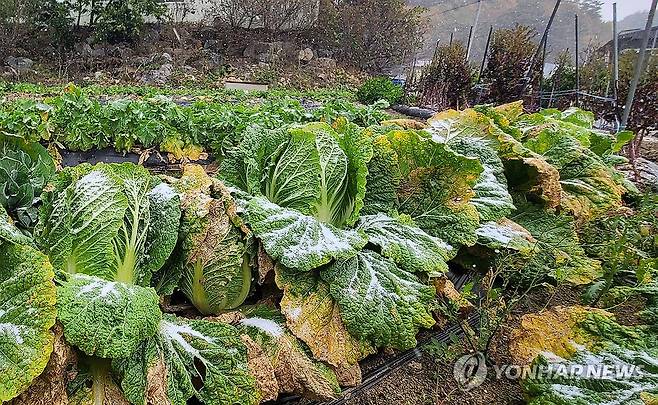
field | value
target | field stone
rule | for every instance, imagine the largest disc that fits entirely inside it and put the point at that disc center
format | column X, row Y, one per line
column 324, row 63
column 20, row 64
column 83, row 48
column 305, row 55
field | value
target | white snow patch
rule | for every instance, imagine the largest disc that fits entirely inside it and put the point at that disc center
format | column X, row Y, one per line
column 294, row 313
column 266, row 325
column 173, row 331
column 162, row 193
column 571, row 392
column 13, row 331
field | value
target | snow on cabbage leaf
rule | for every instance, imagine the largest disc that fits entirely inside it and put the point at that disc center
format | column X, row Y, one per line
column 379, row 302
column 311, row 169
column 314, row 316
column 295, row 370
column 639, row 388
column 106, row 318
column 588, row 184
column 182, row 354
column 113, row 221
column 210, row 264
column 299, row 241
column 9, row 232
column 472, row 134
column 408, row 246
column 27, row 312
column 436, row 185
column 565, row 339
column 505, row 234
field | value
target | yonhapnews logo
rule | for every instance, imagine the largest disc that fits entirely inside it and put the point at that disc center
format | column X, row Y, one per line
column 471, row 370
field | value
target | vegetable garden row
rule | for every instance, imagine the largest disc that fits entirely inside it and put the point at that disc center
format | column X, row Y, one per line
column 322, row 237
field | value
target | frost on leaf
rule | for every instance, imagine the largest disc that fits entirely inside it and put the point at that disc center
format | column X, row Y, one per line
column 202, row 359
column 505, row 234
column 298, row 241
column 379, row 302
column 295, row 370
column 27, row 312
column 557, row 251
column 570, row 338
column 113, row 221
column 49, row 388
column 636, row 387
column 314, row 317
column 589, row 187
column 436, row 186
column 408, row 246
column 9, row 232
column 105, row 318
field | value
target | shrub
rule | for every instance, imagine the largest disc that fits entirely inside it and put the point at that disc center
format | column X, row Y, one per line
column 379, row 88
column 122, row 20
column 370, row 34
column 511, row 52
column 446, row 83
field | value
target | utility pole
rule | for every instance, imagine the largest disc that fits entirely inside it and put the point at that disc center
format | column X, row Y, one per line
column 474, row 29
column 639, row 67
column 541, row 43
column 468, row 45
column 615, row 56
column 486, row 53
column 577, row 63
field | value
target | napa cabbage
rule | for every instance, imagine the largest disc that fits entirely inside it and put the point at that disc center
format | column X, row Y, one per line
column 212, row 261
column 113, row 221
column 301, row 191
column 25, row 168
column 108, row 228
column 27, row 313
column 188, row 358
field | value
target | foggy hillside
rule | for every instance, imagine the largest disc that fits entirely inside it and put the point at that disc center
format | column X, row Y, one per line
column 456, row 16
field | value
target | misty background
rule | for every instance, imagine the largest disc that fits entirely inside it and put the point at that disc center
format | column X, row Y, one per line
column 456, row 17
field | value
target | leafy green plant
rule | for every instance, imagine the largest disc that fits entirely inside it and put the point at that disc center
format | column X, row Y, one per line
column 24, row 170
column 379, row 88
column 338, row 228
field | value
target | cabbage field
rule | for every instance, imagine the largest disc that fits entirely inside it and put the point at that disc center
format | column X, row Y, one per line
column 297, row 239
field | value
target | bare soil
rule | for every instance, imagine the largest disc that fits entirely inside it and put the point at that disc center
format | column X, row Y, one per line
column 427, row 380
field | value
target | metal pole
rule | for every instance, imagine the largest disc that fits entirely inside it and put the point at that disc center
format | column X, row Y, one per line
column 541, row 43
column 468, row 45
column 615, row 55
column 436, row 49
column 486, row 53
column 474, row 28
column 541, row 78
column 638, row 67
column 577, row 64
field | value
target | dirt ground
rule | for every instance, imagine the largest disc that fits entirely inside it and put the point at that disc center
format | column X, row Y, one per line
column 428, row 381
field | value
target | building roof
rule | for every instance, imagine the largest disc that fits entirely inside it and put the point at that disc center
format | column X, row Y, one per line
column 632, row 39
